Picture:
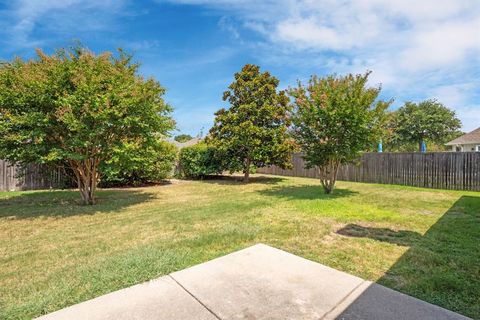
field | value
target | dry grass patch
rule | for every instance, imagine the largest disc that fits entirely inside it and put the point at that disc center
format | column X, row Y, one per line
column 55, row 252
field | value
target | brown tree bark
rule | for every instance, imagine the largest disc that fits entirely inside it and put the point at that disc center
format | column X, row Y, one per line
column 328, row 175
column 86, row 176
column 246, row 170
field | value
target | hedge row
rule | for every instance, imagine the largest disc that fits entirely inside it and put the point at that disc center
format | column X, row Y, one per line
column 199, row 161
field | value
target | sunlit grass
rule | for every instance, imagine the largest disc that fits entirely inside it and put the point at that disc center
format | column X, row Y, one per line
column 55, row 252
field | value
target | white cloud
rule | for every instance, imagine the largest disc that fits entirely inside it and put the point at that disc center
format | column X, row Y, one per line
column 419, row 35
column 416, row 49
column 57, row 15
column 470, row 116
column 443, row 45
column 229, row 26
column 456, row 97
column 421, row 49
column 306, row 33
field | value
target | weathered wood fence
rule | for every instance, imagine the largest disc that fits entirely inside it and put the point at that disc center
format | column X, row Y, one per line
column 32, row 177
column 440, row 170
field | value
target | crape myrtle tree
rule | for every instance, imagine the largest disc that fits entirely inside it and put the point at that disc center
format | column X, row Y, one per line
column 336, row 118
column 75, row 108
column 427, row 120
column 253, row 131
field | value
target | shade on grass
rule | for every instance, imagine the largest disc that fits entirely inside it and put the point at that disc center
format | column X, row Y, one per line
column 55, row 252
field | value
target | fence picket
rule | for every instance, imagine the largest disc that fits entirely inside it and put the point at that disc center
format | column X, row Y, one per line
column 31, row 177
column 439, row 170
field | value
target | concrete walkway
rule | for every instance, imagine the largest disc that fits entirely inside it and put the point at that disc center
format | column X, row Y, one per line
column 259, row 282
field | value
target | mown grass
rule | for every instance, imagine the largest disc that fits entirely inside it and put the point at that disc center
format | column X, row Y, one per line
column 55, row 252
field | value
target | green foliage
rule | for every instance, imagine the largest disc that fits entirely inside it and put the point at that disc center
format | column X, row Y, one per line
column 199, row 161
column 134, row 164
column 183, row 138
column 422, row 242
column 253, row 131
column 428, row 121
column 76, row 108
column 335, row 119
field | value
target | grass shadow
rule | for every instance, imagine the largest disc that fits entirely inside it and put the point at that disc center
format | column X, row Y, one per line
column 401, row 237
column 236, row 179
column 65, row 203
column 443, row 265
column 306, row 192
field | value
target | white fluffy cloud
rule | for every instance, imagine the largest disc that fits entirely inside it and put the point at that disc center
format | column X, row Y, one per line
column 23, row 16
column 421, row 49
column 416, row 49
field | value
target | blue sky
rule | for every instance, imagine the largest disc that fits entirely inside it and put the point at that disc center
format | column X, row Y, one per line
column 415, row 49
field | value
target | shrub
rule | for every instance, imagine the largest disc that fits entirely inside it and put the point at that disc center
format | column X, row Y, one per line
column 76, row 109
column 135, row 165
column 199, row 161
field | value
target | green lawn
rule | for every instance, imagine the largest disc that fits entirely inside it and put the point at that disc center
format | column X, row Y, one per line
column 54, row 252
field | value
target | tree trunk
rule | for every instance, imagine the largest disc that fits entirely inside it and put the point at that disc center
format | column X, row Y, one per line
column 246, row 170
column 86, row 176
column 328, row 175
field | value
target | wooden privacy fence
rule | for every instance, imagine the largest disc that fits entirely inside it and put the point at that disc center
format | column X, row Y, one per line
column 31, row 177
column 441, row 170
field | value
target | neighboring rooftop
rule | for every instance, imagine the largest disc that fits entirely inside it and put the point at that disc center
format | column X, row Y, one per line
column 468, row 138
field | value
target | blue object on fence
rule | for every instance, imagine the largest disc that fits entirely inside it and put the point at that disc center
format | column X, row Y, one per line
column 424, row 147
column 380, row 147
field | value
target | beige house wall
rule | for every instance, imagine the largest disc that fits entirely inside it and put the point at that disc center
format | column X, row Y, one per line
column 467, row 147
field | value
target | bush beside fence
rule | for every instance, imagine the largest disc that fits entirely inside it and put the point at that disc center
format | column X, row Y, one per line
column 440, row 170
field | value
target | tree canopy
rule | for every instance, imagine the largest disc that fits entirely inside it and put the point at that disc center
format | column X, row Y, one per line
column 335, row 119
column 76, row 109
column 252, row 132
column 183, row 137
column 427, row 120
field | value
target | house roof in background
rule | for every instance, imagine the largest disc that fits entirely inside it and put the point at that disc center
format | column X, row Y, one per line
column 468, row 138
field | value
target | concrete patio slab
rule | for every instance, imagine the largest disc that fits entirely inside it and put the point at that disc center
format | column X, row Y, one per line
column 159, row 299
column 262, row 282
column 375, row 302
column 259, row 282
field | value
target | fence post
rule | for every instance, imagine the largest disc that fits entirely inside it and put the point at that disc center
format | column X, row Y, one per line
column 446, row 170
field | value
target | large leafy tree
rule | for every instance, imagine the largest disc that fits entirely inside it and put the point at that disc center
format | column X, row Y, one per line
column 76, row 109
column 335, row 119
column 428, row 120
column 253, row 131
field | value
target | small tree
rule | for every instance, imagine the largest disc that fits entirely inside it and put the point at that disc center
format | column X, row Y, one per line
column 183, row 138
column 253, row 131
column 335, row 119
column 75, row 109
column 427, row 120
